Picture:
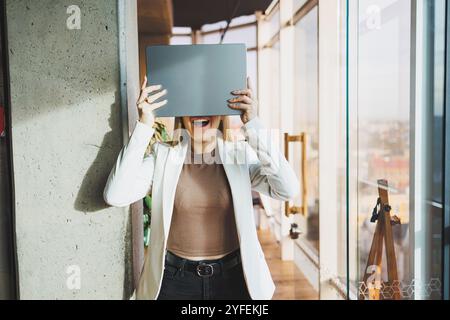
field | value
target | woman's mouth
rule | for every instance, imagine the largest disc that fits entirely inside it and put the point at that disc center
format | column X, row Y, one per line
column 200, row 122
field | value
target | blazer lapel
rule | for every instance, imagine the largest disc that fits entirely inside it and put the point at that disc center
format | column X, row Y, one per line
column 174, row 164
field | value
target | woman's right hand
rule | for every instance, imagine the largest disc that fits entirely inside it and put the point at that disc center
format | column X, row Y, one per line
column 146, row 102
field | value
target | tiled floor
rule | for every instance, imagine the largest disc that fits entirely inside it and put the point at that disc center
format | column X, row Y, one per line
column 290, row 282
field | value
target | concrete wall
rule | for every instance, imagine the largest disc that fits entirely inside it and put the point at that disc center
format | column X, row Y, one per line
column 66, row 136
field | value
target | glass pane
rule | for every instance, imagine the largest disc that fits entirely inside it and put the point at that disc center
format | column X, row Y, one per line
column 222, row 24
column 384, row 123
column 178, row 40
column 297, row 4
column 274, row 24
column 306, row 113
column 181, row 35
column 273, row 100
column 252, row 70
column 275, row 84
column 397, row 135
column 272, row 27
column 243, row 35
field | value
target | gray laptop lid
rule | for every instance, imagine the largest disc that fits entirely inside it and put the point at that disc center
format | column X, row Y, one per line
column 199, row 78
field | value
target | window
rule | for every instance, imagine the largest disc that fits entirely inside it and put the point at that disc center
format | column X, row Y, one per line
column 181, row 35
column 306, row 113
column 396, row 134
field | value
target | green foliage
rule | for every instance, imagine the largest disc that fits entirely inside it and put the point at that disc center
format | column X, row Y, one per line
column 160, row 135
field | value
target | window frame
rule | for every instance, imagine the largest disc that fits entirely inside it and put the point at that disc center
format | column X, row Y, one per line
column 446, row 180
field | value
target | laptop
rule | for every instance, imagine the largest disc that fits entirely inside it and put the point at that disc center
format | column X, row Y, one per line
column 198, row 78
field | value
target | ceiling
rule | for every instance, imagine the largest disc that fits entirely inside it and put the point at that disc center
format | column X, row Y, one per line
column 196, row 13
column 158, row 16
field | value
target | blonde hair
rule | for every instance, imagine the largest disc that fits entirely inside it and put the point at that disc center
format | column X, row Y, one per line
column 224, row 127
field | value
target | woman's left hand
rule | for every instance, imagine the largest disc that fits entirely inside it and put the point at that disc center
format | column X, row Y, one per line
column 245, row 102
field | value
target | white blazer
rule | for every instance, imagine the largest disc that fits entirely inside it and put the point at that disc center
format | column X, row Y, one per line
column 249, row 164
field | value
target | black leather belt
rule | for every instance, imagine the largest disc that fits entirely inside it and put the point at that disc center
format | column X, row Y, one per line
column 204, row 268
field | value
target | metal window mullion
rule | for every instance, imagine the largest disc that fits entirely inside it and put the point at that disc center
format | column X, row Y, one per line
column 446, row 224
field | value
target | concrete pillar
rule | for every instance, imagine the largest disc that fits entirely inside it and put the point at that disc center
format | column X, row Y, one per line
column 66, row 121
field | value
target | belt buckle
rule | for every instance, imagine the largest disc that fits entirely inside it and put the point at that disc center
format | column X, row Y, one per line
column 205, row 270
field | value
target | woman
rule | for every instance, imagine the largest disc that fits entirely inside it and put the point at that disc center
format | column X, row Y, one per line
column 203, row 240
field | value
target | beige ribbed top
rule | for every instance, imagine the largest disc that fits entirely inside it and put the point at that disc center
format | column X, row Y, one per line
column 203, row 222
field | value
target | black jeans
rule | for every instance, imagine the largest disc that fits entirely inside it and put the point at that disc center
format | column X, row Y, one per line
column 180, row 284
